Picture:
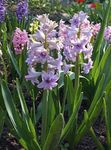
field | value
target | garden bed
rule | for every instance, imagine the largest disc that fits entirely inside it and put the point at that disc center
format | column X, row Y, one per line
column 55, row 75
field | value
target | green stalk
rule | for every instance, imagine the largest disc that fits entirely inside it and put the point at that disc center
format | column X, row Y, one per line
column 45, row 106
column 23, row 64
column 77, row 72
column 34, row 113
column 44, row 116
column 20, row 62
column 75, row 101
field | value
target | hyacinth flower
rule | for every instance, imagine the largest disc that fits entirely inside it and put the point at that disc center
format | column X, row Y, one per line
column 96, row 29
column 107, row 34
column 74, row 40
column 2, row 1
column 33, row 75
column 2, row 11
column 77, row 46
column 20, row 40
column 22, row 10
column 43, row 45
column 49, row 80
column 77, row 40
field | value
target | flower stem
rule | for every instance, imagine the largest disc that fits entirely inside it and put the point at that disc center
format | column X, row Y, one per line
column 77, row 72
column 44, row 116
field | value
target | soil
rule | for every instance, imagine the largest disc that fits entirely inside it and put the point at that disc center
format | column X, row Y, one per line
column 9, row 142
column 87, row 142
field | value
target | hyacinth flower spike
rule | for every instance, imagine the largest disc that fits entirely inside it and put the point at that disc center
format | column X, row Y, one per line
column 22, row 10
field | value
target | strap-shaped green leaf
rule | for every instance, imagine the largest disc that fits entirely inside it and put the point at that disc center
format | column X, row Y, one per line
column 14, row 61
column 10, row 106
column 2, row 119
column 18, row 122
column 86, row 124
column 99, row 92
column 72, row 118
column 103, row 66
column 93, row 112
column 107, row 111
column 100, row 38
column 54, row 134
column 92, row 133
column 26, row 115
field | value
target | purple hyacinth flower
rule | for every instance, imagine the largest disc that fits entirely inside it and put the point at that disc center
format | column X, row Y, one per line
column 1, row 1
column 2, row 12
column 22, row 10
column 78, row 46
column 49, row 81
column 41, row 56
column 33, row 76
column 75, row 22
column 87, row 66
column 55, row 64
column 67, row 67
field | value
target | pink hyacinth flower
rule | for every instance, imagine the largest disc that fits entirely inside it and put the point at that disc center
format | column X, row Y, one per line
column 20, row 39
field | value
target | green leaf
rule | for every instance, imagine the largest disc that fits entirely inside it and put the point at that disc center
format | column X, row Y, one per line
column 107, row 111
column 4, row 36
column 92, row 133
column 54, row 134
column 72, row 118
column 61, row 79
column 51, row 111
column 100, row 38
column 14, row 62
column 87, row 123
column 98, row 94
column 10, row 106
column 93, row 111
column 18, row 123
column 26, row 115
column 2, row 119
column 65, row 94
column 103, row 67
column 56, row 101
